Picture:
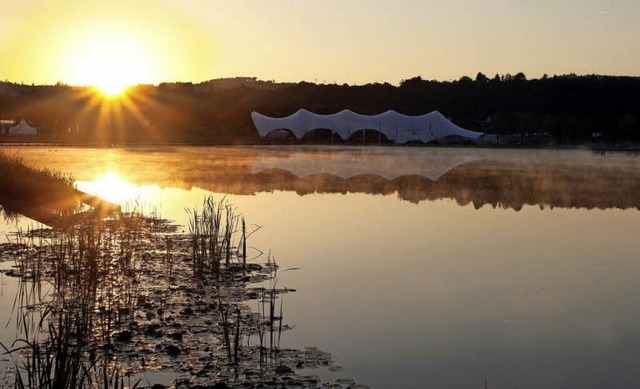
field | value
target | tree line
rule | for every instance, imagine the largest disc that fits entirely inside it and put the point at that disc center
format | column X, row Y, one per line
column 570, row 108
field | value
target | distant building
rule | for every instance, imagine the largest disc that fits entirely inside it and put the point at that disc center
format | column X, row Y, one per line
column 5, row 125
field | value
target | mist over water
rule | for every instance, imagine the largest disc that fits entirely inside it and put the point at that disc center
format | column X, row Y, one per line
column 421, row 267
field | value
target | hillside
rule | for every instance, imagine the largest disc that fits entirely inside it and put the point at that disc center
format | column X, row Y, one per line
column 570, row 108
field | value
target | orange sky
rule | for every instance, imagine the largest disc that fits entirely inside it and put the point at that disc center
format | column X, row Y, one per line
column 121, row 42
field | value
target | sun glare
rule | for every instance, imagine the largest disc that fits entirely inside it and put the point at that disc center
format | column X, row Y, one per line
column 111, row 187
column 111, row 61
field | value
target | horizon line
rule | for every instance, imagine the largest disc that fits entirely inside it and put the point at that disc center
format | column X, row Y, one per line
column 283, row 82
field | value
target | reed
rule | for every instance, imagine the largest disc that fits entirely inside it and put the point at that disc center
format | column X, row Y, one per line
column 94, row 269
column 52, row 349
column 230, row 319
column 213, row 233
column 219, row 239
column 25, row 182
column 97, row 274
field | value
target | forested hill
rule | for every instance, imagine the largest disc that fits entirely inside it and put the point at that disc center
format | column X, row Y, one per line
column 570, row 108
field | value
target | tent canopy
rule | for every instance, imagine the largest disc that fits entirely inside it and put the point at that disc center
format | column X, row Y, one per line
column 396, row 127
column 23, row 128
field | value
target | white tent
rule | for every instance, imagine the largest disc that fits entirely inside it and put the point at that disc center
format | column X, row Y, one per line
column 23, row 128
column 396, row 127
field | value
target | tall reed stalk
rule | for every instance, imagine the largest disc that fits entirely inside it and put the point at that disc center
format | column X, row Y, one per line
column 213, row 236
column 95, row 271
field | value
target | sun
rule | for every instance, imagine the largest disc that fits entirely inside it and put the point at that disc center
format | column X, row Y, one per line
column 111, row 61
column 111, row 73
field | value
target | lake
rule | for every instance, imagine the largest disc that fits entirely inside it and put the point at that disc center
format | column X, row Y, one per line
column 417, row 266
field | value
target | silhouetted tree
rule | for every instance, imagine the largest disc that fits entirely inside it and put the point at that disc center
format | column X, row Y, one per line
column 480, row 77
column 520, row 77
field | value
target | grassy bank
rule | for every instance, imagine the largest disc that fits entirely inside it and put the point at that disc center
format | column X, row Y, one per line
column 21, row 182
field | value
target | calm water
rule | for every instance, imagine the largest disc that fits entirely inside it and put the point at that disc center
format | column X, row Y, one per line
column 422, row 267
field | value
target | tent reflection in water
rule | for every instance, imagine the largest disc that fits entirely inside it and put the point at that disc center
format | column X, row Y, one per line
column 397, row 127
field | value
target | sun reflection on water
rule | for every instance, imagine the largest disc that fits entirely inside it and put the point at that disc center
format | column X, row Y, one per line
column 112, row 187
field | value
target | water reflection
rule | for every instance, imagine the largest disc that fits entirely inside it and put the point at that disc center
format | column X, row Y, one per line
column 428, row 293
column 478, row 177
column 388, row 163
column 56, row 212
column 113, row 188
column 498, row 178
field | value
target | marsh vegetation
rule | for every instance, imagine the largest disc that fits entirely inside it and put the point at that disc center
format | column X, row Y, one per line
column 107, row 302
column 27, row 183
column 45, row 195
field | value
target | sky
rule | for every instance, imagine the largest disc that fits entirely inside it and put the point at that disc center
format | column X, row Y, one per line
column 90, row 42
